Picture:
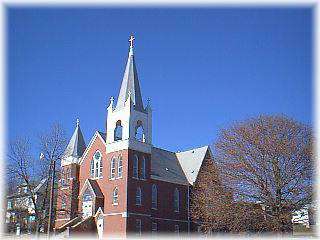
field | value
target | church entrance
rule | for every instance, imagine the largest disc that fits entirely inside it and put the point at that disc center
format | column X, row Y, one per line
column 87, row 204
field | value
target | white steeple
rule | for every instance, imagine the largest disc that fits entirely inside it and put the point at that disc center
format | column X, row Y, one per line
column 129, row 123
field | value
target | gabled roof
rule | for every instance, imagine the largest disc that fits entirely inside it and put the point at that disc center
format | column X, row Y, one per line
column 165, row 167
column 181, row 167
column 96, row 135
column 130, row 85
column 36, row 189
column 77, row 145
column 191, row 162
column 94, row 186
column 40, row 185
column 96, row 189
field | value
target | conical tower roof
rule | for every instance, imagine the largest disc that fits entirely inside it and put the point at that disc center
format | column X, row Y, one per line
column 77, row 145
column 130, row 84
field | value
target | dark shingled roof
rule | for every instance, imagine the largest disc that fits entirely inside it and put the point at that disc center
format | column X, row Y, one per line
column 96, row 188
column 103, row 135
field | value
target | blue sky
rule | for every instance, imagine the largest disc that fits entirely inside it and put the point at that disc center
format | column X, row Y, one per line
column 203, row 68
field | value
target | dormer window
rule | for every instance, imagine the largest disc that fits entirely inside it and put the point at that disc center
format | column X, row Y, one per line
column 118, row 131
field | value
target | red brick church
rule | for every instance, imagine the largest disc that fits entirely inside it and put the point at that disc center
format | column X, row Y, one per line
column 119, row 183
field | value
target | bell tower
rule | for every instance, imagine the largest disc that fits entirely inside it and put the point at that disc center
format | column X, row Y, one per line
column 129, row 123
column 68, row 190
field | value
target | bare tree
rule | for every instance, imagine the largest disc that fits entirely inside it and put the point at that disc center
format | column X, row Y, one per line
column 21, row 168
column 268, row 160
column 52, row 147
column 28, row 170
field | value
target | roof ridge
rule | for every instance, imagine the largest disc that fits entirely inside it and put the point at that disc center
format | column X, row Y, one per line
column 193, row 149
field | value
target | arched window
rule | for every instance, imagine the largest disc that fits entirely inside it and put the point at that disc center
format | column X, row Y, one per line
column 92, row 168
column 176, row 200
column 154, row 197
column 113, row 168
column 139, row 134
column 120, row 167
column 118, row 131
column 96, row 165
column 63, row 203
column 143, row 168
column 138, row 196
column 115, row 196
column 135, row 166
column 96, row 168
column 100, row 167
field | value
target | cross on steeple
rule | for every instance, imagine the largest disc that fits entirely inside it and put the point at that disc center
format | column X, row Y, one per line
column 131, row 41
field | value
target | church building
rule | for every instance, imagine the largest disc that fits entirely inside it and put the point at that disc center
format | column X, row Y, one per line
column 119, row 183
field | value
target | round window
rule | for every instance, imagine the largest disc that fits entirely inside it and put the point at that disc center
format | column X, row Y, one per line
column 97, row 155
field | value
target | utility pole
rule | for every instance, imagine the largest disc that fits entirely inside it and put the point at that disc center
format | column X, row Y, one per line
column 53, row 171
column 51, row 196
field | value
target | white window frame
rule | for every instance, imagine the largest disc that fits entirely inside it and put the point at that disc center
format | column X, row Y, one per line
column 9, row 205
column 120, row 167
column 96, row 166
column 138, row 196
column 154, row 196
column 113, row 168
column 135, row 166
column 154, row 227
column 118, row 127
column 115, row 197
column 63, row 203
column 176, row 200
column 100, row 167
column 92, row 168
column 96, row 163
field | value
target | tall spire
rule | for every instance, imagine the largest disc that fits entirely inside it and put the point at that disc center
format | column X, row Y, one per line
column 76, row 144
column 130, row 84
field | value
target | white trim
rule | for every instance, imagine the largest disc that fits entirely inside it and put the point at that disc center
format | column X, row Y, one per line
column 130, row 143
column 62, row 219
column 83, row 187
column 99, row 211
column 96, row 178
column 113, row 214
column 90, row 145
